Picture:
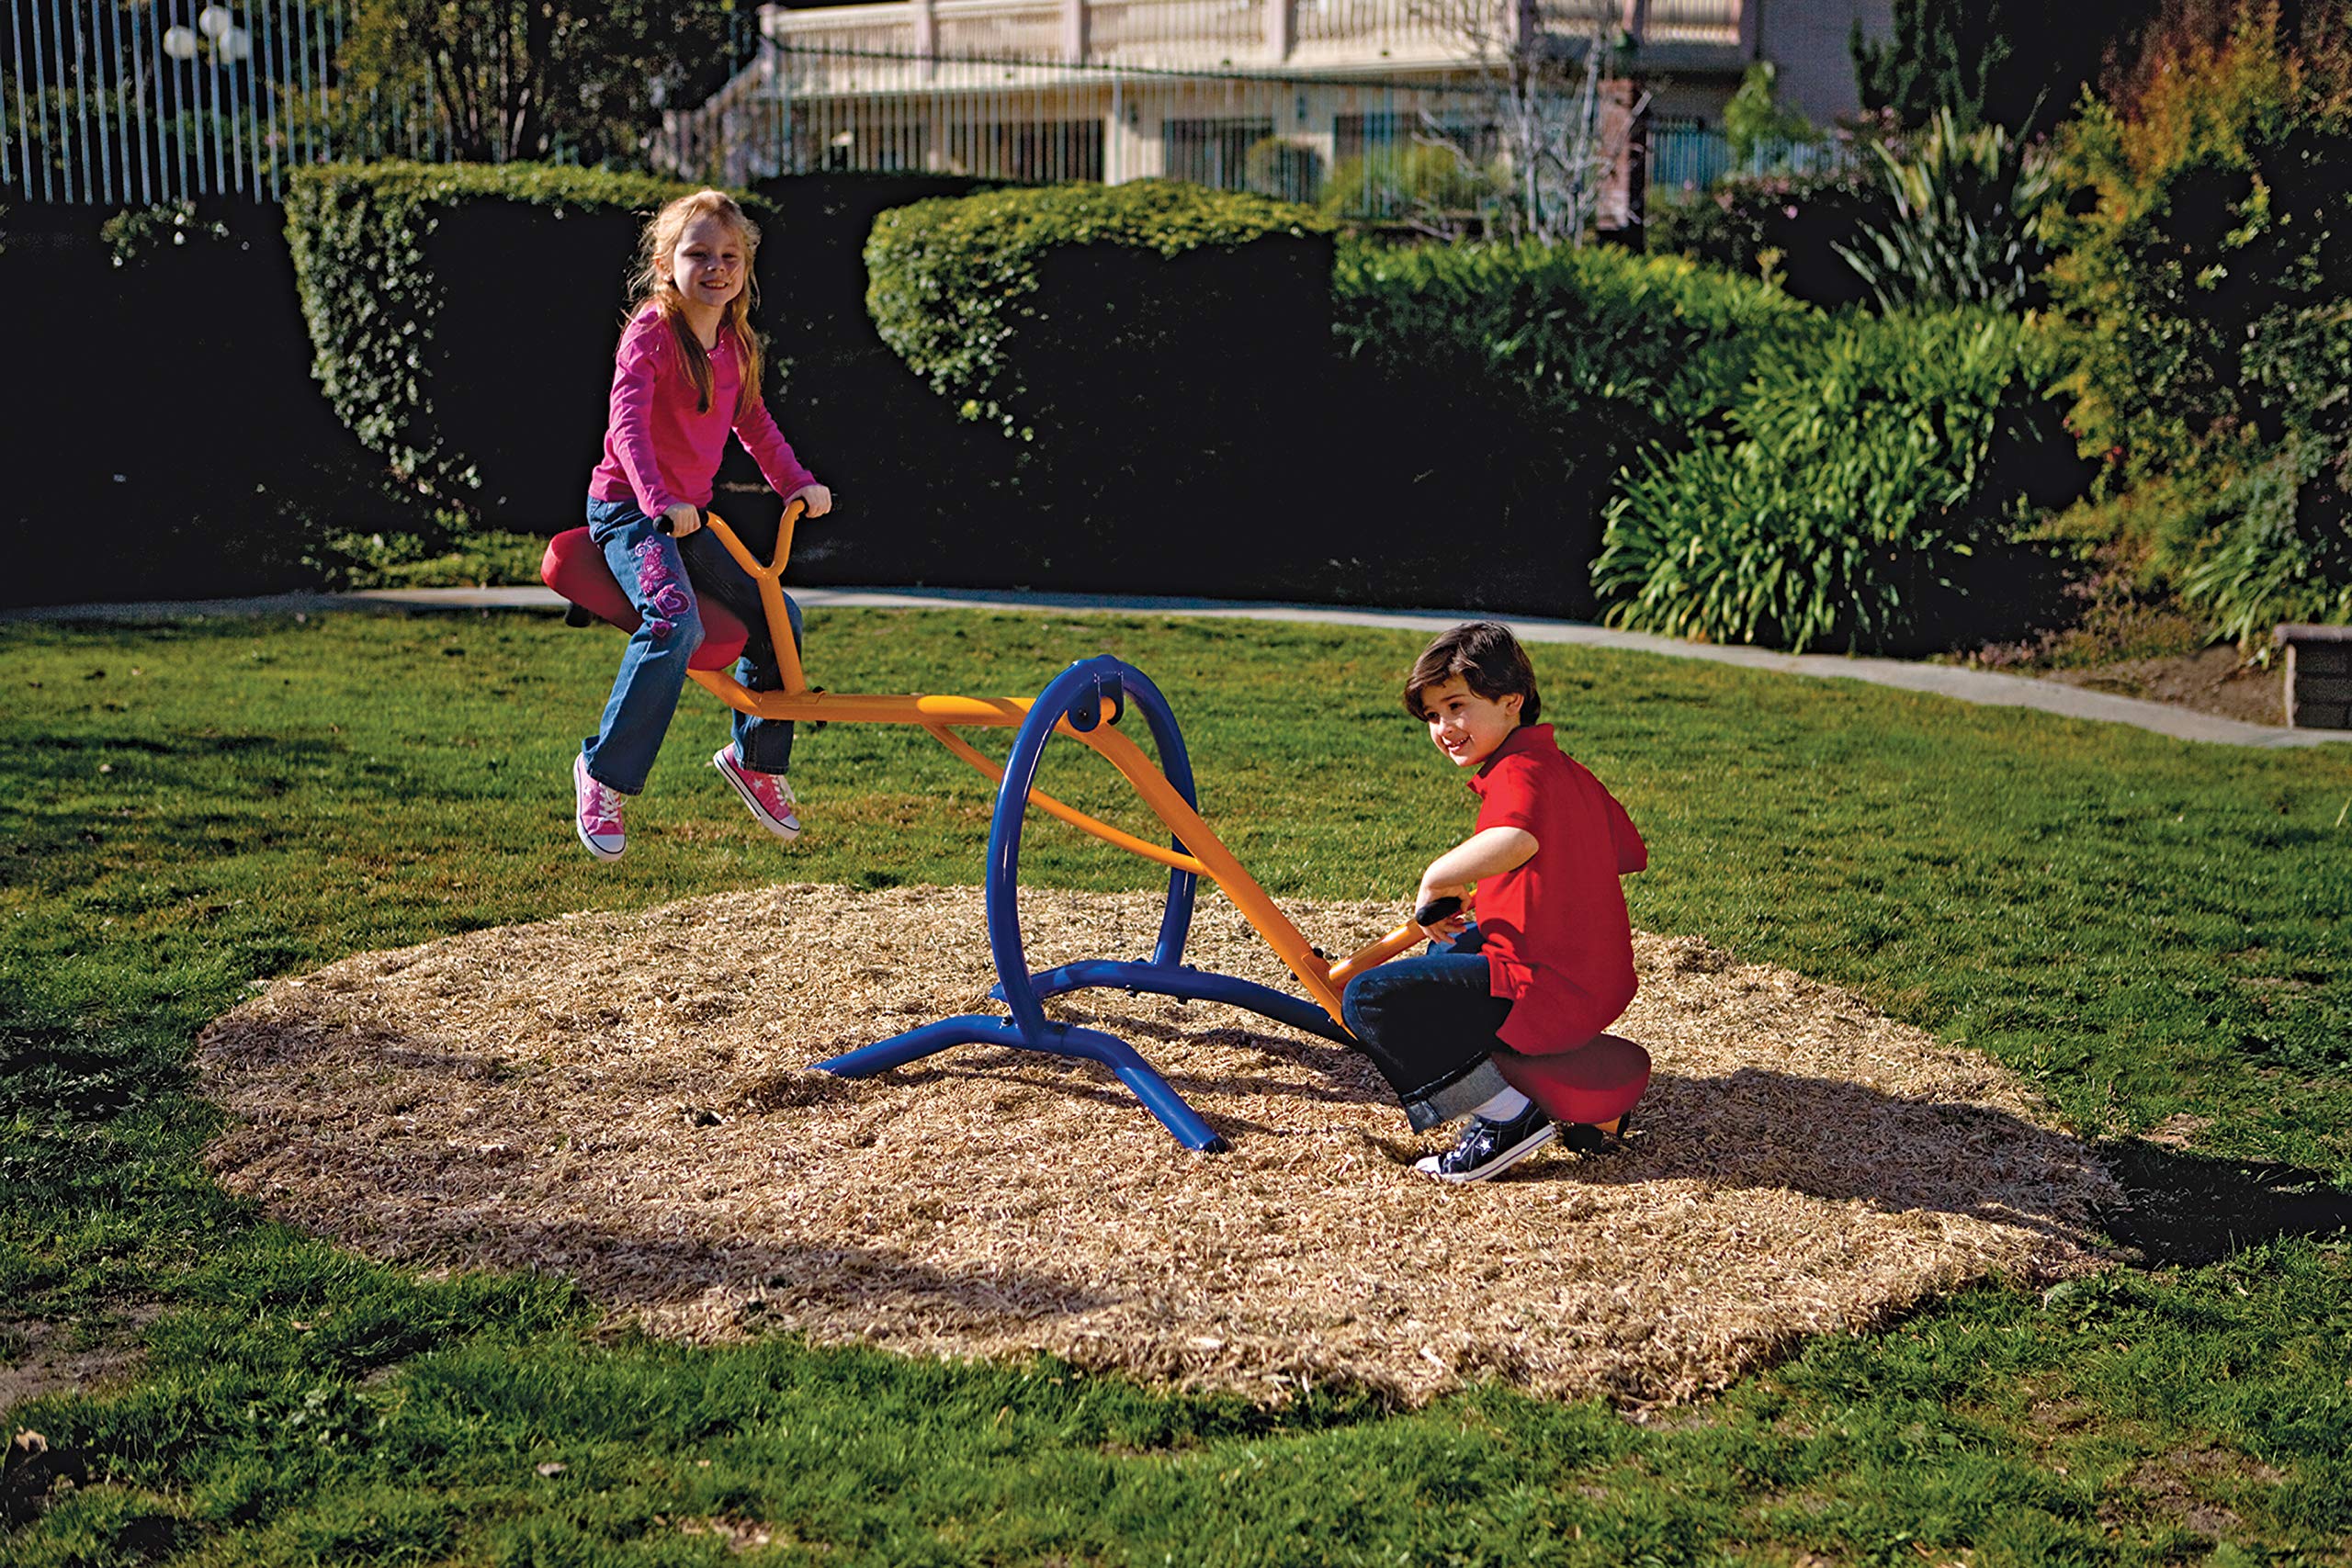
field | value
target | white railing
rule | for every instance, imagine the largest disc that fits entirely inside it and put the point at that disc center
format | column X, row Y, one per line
column 999, row 30
column 1173, row 32
column 1238, row 34
column 1702, row 22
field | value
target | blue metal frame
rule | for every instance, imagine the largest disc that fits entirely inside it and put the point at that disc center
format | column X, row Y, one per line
column 1081, row 694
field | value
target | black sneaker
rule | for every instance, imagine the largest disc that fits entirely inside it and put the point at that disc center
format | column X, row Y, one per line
column 1489, row 1149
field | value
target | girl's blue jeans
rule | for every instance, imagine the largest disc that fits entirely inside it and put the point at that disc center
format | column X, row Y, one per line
column 666, row 579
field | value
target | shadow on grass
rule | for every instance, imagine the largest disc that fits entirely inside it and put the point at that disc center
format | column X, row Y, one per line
column 2187, row 1209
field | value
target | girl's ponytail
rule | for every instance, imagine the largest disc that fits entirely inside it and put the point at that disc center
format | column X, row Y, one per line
column 650, row 284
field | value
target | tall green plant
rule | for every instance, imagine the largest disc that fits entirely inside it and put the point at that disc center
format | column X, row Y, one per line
column 1966, row 224
column 1857, row 471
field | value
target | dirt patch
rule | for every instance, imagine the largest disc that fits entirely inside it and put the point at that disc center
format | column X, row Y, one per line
column 2181, row 1487
column 2211, row 679
column 39, row 1358
column 626, row 1099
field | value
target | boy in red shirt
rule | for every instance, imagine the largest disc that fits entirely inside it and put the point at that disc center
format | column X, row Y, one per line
column 1523, row 995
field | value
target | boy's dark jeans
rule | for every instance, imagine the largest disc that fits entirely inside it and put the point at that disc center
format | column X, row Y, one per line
column 1429, row 1025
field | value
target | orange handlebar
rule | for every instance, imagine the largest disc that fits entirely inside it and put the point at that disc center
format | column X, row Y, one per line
column 770, row 579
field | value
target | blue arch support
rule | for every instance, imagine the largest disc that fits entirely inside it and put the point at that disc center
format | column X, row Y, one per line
column 1090, row 691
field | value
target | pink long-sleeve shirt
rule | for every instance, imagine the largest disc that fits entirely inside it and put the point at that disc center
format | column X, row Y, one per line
column 657, row 449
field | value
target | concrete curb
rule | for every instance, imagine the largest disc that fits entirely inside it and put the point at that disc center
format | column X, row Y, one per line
column 1979, row 686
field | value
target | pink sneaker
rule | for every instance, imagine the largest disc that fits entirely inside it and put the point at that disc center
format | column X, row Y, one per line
column 768, row 794
column 596, row 813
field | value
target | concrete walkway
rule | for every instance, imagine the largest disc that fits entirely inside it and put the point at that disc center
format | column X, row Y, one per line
column 1946, row 680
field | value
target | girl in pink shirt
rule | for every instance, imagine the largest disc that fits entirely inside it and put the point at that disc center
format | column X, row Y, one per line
column 686, row 375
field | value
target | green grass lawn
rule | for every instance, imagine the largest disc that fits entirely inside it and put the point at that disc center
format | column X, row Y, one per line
column 2145, row 929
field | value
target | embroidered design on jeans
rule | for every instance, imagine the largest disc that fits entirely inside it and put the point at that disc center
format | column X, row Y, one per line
column 661, row 590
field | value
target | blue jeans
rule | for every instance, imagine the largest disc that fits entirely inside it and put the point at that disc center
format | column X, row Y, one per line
column 1429, row 1025
column 666, row 579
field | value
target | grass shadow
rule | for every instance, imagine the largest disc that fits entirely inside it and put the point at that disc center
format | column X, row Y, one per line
column 2185, row 1210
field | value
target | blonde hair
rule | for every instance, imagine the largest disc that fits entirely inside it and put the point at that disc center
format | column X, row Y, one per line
column 650, row 283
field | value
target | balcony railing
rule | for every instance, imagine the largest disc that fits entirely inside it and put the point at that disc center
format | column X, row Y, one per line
column 1242, row 35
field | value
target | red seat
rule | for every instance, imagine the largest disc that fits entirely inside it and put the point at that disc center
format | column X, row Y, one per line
column 575, row 567
column 1597, row 1082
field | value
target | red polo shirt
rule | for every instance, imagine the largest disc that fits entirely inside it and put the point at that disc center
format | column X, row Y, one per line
column 1557, row 936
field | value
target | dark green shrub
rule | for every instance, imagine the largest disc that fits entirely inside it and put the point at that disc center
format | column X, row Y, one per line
column 464, row 317
column 1155, row 351
column 2014, row 63
column 2205, row 262
column 956, row 285
column 1860, row 468
column 1561, row 331
column 1789, row 226
column 174, row 446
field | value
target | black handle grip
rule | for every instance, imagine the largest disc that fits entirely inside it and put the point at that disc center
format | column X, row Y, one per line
column 1437, row 909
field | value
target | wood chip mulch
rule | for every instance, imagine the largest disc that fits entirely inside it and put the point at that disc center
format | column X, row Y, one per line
column 626, row 1099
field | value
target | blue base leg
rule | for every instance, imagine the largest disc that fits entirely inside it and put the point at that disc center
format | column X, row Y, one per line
column 1192, row 985
column 1091, row 1044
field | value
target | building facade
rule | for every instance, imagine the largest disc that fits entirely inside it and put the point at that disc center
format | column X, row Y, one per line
column 1286, row 96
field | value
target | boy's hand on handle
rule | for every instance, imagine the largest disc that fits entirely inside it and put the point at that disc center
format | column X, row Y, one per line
column 682, row 520
column 1440, row 911
column 816, row 499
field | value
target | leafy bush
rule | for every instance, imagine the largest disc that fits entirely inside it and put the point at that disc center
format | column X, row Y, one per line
column 1431, row 184
column 1756, row 121
column 458, row 314
column 1787, row 226
column 1283, row 170
column 956, row 284
column 1966, row 226
column 2204, row 264
column 1560, row 333
column 1861, row 466
column 2014, row 63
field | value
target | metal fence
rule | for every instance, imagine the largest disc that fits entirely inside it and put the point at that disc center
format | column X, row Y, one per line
column 1684, row 156
column 127, row 102
column 141, row 103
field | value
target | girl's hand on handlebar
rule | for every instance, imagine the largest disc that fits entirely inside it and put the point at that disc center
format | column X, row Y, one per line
column 816, row 498
column 682, row 519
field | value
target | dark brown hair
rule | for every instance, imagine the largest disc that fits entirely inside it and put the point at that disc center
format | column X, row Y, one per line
column 1489, row 660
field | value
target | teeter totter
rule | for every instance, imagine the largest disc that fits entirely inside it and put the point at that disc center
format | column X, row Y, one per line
column 1594, row 1086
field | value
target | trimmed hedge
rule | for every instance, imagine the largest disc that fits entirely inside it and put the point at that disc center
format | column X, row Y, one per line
column 958, row 287
column 463, row 318
column 1865, row 470
column 1507, row 385
column 1157, row 356
column 1661, row 341
column 172, row 444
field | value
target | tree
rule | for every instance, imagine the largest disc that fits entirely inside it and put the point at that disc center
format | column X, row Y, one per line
column 1562, row 109
column 509, row 79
